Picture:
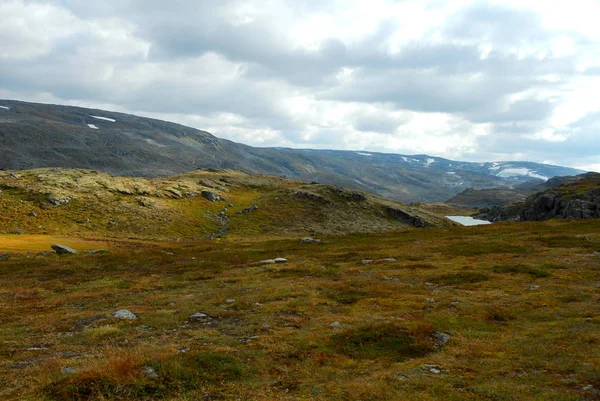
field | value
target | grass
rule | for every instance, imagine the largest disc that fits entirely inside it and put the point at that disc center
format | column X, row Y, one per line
column 519, row 301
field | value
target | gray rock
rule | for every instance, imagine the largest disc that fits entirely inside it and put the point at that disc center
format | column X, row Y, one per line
column 211, row 196
column 309, row 240
column 440, row 338
column 199, row 316
column 62, row 249
column 149, row 372
column 95, row 251
column 33, row 214
column 249, row 209
column 124, row 314
column 230, row 300
column 366, row 261
column 272, row 261
column 335, row 324
column 68, row 370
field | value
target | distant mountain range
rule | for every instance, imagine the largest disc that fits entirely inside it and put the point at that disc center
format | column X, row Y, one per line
column 36, row 135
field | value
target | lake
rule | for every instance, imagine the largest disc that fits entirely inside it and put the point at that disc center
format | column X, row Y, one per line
column 467, row 221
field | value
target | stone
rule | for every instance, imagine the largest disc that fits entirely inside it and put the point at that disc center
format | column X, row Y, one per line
column 95, row 251
column 62, row 249
column 210, row 196
column 68, row 370
column 440, row 338
column 435, row 369
column 124, row 314
column 272, row 261
column 335, row 324
column 249, row 209
column 199, row 316
column 366, row 261
column 230, row 300
column 149, row 372
column 33, row 214
column 309, row 240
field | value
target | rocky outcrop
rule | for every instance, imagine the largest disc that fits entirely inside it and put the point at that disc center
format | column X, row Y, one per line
column 574, row 199
column 404, row 217
column 549, row 205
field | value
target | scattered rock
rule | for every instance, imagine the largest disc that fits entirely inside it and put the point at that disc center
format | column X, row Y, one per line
column 230, row 300
column 211, row 196
column 430, row 300
column 309, row 240
column 44, row 254
column 95, row 251
column 271, row 261
column 198, row 316
column 401, row 377
column 311, row 196
column 367, row 261
column 249, row 209
column 149, row 372
column 124, row 314
column 68, row 370
column 335, row 324
column 14, row 176
column 62, row 249
column 440, row 338
column 33, row 214
column 435, row 369
column 56, row 200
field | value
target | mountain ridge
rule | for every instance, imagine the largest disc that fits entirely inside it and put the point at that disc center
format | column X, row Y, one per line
column 34, row 135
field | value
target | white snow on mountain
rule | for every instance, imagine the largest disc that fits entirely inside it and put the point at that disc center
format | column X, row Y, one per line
column 92, row 126
column 104, row 118
column 4, row 107
column 364, row 154
column 514, row 172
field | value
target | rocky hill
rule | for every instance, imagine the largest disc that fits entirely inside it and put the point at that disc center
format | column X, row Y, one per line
column 573, row 200
column 568, row 198
column 198, row 205
column 39, row 135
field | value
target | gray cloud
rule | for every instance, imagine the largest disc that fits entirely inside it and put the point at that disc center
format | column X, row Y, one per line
column 207, row 58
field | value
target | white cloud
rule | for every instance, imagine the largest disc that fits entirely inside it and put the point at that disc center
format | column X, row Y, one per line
column 462, row 79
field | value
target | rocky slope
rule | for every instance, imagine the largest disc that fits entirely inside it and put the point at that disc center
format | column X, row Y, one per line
column 39, row 135
column 574, row 200
column 571, row 198
column 193, row 206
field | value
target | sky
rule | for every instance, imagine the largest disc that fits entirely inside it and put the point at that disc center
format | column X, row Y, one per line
column 460, row 79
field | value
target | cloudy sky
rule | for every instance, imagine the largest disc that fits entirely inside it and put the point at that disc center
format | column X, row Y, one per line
column 461, row 79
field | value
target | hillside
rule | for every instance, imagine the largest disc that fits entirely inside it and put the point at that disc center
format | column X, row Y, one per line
column 39, row 135
column 198, row 205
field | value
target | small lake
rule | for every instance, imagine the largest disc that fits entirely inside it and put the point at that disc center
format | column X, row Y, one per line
column 467, row 221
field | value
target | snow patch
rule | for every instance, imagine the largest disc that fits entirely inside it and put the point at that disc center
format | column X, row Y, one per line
column 451, row 172
column 104, row 118
column 429, row 162
column 524, row 172
column 5, row 107
column 92, row 126
column 364, row 154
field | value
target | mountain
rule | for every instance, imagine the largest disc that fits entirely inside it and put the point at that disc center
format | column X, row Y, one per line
column 36, row 135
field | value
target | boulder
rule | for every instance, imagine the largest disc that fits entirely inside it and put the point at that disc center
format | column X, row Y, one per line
column 62, row 249
column 211, row 196
column 124, row 314
column 309, row 240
